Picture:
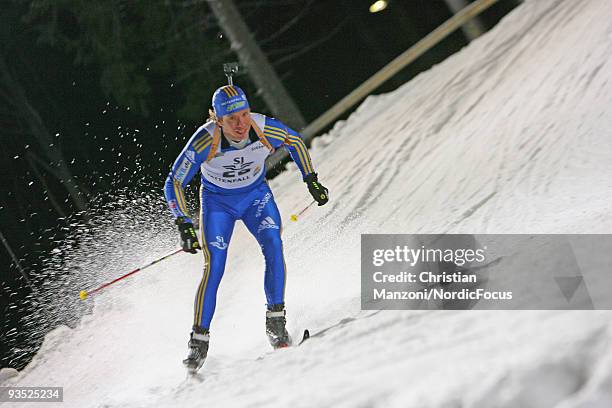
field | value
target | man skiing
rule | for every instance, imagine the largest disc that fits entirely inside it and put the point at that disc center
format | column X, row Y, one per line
column 230, row 150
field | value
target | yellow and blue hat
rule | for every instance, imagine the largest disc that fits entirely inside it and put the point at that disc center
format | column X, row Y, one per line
column 229, row 99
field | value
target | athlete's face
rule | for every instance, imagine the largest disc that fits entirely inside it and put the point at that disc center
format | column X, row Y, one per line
column 237, row 124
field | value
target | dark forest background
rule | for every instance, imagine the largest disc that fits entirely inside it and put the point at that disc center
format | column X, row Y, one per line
column 97, row 96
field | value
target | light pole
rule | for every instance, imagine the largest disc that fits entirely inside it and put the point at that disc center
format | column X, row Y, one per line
column 15, row 260
column 473, row 28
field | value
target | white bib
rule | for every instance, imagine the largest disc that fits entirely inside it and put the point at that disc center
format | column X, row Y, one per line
column 236, row 168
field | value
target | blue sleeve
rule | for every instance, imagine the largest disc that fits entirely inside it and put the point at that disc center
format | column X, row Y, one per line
column 279, row 134
column 184, row 169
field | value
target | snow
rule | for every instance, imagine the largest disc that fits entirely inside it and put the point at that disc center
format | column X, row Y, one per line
column 510, row 135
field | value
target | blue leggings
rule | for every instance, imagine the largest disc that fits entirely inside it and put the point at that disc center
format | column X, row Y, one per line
column 258, row 211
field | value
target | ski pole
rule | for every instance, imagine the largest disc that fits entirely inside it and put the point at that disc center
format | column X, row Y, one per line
column 83, row 294
column 294, row 217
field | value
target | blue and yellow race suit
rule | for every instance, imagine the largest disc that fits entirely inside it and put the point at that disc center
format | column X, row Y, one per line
column 234, row 188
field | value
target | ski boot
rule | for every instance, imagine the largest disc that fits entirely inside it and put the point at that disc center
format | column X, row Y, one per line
column 198, row 349
column 275, row 326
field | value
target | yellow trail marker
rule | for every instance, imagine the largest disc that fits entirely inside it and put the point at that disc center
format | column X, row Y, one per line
column 293, row 217
column 83, row 294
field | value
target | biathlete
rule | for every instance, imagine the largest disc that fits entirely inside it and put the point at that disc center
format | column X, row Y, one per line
column 230, row 150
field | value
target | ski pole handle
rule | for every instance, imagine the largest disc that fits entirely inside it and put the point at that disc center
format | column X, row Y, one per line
column 83, row 294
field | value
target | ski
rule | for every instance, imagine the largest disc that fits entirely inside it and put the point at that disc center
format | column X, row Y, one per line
column 305, row 337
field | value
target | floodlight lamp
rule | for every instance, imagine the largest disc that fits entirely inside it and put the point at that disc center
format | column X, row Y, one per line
column 379, row 5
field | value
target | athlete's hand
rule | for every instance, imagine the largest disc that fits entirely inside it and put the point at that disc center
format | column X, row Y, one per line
column 189, row 239
column 316, row 189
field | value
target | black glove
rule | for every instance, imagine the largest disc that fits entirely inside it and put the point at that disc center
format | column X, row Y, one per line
column 189, row 239
column 318, row 191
